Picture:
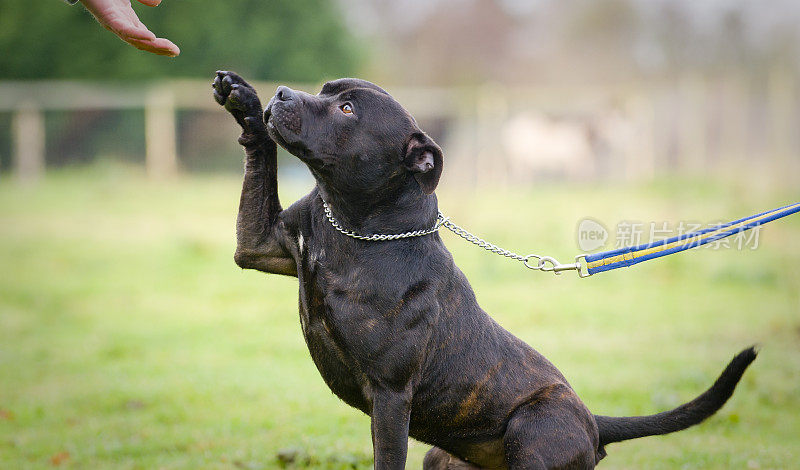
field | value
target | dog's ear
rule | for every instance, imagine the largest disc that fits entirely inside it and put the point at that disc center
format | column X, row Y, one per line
column 424, row 158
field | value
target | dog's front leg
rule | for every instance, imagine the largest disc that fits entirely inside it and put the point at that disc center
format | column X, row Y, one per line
column 391, row 412
column 260, row 235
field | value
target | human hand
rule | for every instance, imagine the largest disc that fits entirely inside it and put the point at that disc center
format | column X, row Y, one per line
column 118, row 17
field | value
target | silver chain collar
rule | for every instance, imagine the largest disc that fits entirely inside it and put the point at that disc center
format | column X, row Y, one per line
column 379, row 237
column 543, row 263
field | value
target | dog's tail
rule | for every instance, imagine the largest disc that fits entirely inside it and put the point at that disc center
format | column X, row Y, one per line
column 621, row 429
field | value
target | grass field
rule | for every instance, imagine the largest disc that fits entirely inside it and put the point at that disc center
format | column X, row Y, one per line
column 129, row 339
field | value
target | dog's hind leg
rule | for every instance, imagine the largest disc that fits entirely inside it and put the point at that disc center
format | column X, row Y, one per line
column 554, row 430
column 438, row 459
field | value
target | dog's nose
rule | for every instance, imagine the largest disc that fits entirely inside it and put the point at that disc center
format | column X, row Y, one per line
column 284, row 93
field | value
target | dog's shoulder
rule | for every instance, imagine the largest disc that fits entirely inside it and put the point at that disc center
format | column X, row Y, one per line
column 298, row 217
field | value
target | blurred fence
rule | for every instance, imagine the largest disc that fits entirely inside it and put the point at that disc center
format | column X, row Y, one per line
column 491, row 134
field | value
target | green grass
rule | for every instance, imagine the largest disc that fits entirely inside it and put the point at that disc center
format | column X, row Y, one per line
column 129, row 339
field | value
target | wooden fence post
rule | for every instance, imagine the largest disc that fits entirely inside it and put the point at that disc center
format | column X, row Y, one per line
column 642, row 161
column 783, row 121
column 491, row 161
column 735, row 130
column 692, row 125
column 29, row 143
column 160, row 136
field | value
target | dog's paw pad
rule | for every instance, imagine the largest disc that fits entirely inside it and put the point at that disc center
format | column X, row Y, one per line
column 236, row 95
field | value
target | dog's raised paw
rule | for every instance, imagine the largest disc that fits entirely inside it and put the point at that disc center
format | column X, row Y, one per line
column 236, row 96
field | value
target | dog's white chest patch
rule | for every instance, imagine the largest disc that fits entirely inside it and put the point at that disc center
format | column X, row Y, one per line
column 302, row 248
column 317, row 255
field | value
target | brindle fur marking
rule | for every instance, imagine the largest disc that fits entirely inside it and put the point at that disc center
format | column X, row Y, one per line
column 394, row 327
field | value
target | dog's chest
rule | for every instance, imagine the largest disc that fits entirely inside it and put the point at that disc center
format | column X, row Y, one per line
column 364, row 310
column 321, row 322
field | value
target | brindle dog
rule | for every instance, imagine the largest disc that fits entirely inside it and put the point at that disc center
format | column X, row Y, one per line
column 393, row 326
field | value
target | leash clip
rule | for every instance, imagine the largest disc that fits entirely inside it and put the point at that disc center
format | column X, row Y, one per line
column 550, row 264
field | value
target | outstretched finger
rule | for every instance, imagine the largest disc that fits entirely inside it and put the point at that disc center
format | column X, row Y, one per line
column 150, row 3
column 130, row 30
column 161, row 46
column 119, row 18
column 158, row 46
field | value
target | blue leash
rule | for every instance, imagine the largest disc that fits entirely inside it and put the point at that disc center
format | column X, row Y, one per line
column 625, row 257
column 586, row 265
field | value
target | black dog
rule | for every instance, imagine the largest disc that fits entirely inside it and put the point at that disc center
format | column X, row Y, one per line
column 393, row 326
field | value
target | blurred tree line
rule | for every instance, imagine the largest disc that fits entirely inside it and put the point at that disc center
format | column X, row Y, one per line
column 287, row 40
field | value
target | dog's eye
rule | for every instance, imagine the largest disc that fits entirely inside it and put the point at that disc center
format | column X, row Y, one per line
column 346, row 108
